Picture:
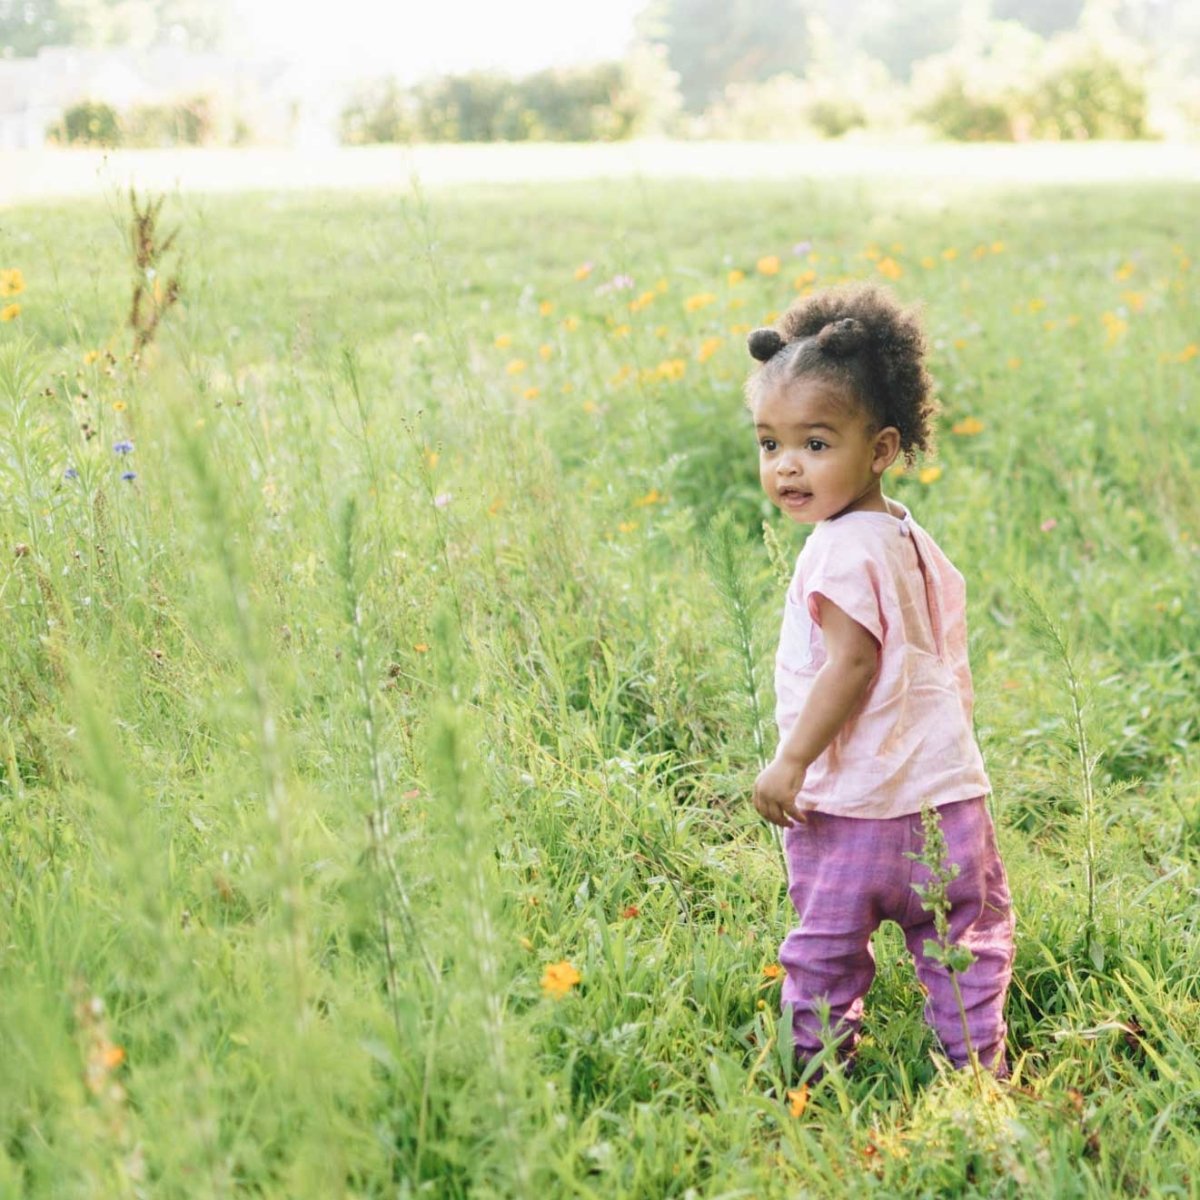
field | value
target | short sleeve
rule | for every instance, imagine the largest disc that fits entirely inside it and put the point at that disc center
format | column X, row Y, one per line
column 844, row 571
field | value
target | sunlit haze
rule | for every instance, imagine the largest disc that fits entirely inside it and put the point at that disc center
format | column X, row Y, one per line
column 413, row 40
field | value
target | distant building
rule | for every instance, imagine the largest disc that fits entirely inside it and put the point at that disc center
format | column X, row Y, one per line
column 271, row 101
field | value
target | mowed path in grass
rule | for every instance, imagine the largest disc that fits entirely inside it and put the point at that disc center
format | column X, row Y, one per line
column 553, row 968
column 36, row 174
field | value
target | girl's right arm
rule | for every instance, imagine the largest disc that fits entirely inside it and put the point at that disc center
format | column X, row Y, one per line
column 852, row 659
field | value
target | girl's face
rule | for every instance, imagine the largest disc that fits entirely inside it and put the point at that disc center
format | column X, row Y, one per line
column 818, row 455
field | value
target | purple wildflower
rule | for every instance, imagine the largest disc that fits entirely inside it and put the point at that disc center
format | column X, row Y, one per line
column 70, row 473
column 801, row 248
column 122, row 447
column 129, row 476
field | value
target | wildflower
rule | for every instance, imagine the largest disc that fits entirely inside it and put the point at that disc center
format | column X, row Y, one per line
column 804, row 279
column 950, row 254
column 420, row 648
column 1135, row 300
column 929, row 474
column 959, row 343
column 1048, row 524
column 546, row 307
column 531, row 393
column 967, row 427
column 1124, row 271
column 431, row 458
column 997, row 247
column 1050, row 326
column 12, row 282
column 627, row 526
column 617, row 283
column 698, row 301
column 570, row 324
column 590, row 406
column 797, row 1100
column 772, row 971
column 442, row 499
column 623, row 330
column 979, row 252
column 1114, row 327
column 526, row 944
column 502, row 340
column 630, row 911
column 737, row 302
column 708, row 348
column 929, row 262
column 124, row 447
column 545, row 351
column 1188, row 353
column 583, row 270
column 90, row 357
column 516, row 366
column 661, row 286
column 801, row 248
column 70, row 473
column 739, row 329
column 735, row 277
column 768, row 265
column 872, row 252
column 643, row 301
column 128, row 476
column 653, row 496
column 495, row 506
column 119, row 406
column 889, row 268
column 1013, row 363
column 661, row 331
column 10, row 312
column 559, row 978
column 671, row 369
column 1036, row 304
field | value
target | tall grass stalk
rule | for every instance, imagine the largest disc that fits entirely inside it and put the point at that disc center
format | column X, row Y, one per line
column 478, row 947
column 388, row 876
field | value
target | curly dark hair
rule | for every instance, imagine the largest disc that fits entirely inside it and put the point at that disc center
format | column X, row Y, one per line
column 860, row 337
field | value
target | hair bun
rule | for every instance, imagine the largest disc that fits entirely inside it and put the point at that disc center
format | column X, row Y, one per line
column 840, row 339
column 764, row 343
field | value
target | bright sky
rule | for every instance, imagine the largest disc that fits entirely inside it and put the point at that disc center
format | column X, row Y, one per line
column 416, row 38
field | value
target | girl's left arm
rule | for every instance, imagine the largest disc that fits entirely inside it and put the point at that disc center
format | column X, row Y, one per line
column 852, row 659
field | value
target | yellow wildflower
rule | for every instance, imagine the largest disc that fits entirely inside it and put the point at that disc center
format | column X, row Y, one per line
column 545, row 350
column 661, row 286
column 959, row 343
column 979, row 252
column 568, row 388
column 709, row 347
column 929, row 474
column 653, row 496
column 1049, row 326
column 570, row 324
column 768, row 265
column 698, row 301
column 890, row 268
column 12, row 282
column 661, row 331
column 646, row 298
column 10, row 312
column 873, row 253
column 421, row 647
column 950, row 254
column 583, row 270
column 622, row 330
column 559, row 978
column 90, row 357
column 431, row 457
column 1135, row 300
column 1188, row 353
column 735, row 277
column 804, row 279
column 671, row 369
column 997, row 247
column 516, row 366
column 1124, row 271
column 737, row 302
column 531, row 393
column 967, row 427
column 772, row 971
column 589, row 406
column 739, row 329
column 118, row 406
column 1036, row 304
column 627, row 526
column 546, row 307
column 928, row 262
column 1114, row 327
column 502, row 340
column 526, row 944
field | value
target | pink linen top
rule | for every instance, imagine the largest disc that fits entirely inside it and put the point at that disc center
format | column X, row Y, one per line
column 911, row 739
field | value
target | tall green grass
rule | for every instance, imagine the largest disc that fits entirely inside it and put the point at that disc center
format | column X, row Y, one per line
column 374, row 807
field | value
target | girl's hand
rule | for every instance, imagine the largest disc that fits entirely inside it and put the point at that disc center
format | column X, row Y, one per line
column 775, row 791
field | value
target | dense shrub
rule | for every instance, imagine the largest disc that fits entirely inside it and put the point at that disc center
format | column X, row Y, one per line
column 188, row 122
column 88, row 123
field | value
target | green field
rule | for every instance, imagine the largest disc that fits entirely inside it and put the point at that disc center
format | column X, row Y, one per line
column 375, row 812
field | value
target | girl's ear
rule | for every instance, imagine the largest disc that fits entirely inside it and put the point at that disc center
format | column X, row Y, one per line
column 887, row 446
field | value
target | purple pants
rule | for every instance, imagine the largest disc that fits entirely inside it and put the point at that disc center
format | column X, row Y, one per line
column 845, row 876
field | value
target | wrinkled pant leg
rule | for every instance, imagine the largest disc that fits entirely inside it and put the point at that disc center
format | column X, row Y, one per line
column 828, row 958
column 981, row 920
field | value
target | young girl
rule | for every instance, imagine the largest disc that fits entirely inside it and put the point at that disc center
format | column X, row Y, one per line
column 873, row 689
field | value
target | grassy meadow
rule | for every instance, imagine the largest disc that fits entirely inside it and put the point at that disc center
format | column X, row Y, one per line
column 387, row 663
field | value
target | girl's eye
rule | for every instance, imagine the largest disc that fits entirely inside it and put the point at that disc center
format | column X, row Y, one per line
column 816, row 444
column 767, row 444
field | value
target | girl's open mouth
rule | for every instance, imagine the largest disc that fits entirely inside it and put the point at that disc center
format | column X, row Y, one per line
column 793, row 498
